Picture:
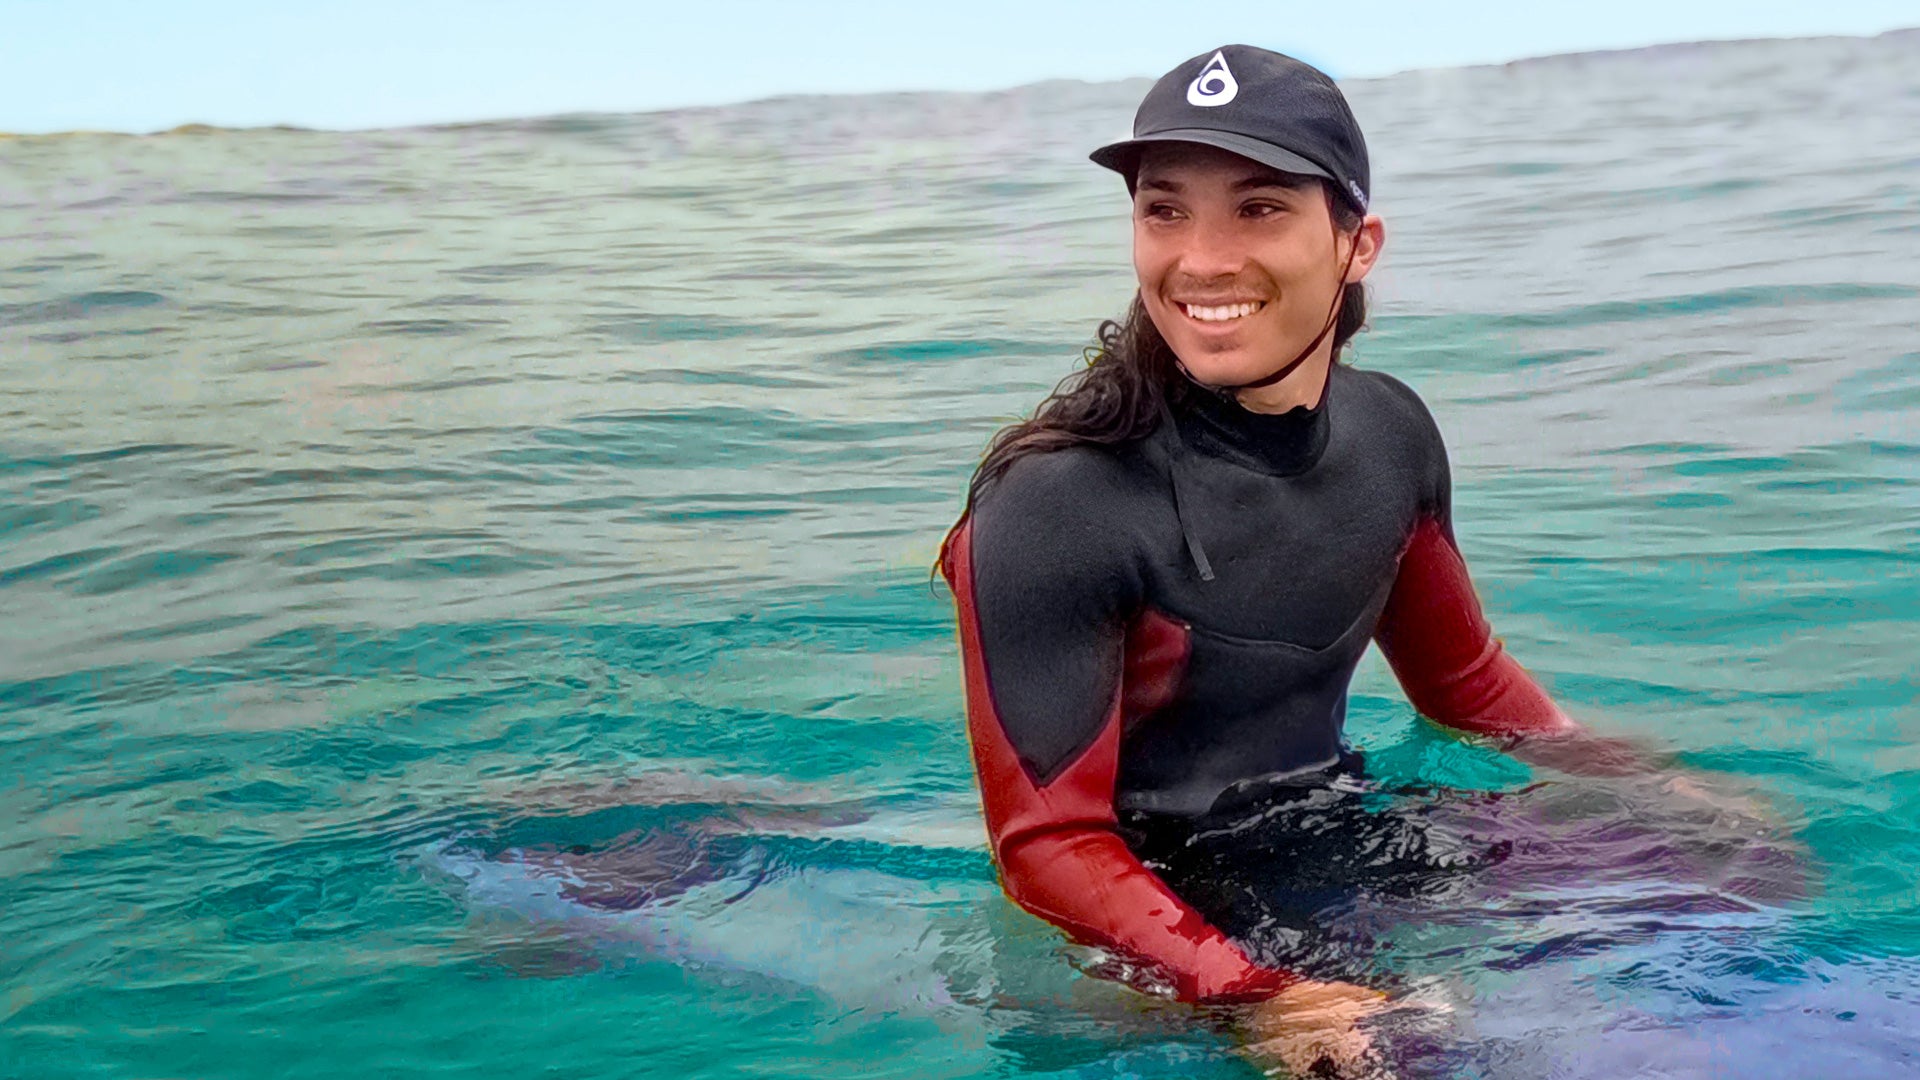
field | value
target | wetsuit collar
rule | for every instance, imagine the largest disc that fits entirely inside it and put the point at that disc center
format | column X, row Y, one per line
column 1283, row 444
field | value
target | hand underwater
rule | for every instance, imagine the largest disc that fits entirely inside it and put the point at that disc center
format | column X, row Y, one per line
column 1312, row 1029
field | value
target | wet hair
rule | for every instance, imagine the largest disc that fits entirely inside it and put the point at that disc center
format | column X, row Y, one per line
column 1116, row 397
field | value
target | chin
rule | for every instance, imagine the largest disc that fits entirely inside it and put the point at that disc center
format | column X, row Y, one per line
column 1223, row 370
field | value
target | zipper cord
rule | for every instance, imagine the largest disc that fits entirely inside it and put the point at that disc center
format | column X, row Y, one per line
column 1176, row 452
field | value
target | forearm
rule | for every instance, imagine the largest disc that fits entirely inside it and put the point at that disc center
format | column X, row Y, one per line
column 1579, row 751
column 1497, row 697
column 1062, row 858
column 1443, row 651
column 1087, row 882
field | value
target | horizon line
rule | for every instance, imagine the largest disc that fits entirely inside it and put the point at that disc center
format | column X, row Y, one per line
column 197, row 128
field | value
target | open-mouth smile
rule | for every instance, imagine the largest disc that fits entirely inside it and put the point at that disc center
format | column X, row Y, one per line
column 1221, row 313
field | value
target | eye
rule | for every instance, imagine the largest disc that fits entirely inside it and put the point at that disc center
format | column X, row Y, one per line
column 1159, row 211
column 1261, row 209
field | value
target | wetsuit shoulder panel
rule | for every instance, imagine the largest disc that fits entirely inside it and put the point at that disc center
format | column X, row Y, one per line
column 1403, row 424
column 1055, row 583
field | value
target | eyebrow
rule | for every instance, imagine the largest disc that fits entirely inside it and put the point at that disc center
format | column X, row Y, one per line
column 1262, row 179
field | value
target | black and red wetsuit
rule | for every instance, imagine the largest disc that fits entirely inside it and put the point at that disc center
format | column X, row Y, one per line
column 1106, row 677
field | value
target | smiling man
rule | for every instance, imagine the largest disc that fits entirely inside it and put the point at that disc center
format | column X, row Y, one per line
column 1228, row 304
column 1166, row 578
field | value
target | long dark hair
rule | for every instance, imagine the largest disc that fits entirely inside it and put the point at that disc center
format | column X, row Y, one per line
column 1116, row 397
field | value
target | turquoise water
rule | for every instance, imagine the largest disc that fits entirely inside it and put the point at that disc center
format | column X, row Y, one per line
column 395, row 524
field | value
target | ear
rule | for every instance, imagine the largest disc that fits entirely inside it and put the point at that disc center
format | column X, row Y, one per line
column 1368, row 240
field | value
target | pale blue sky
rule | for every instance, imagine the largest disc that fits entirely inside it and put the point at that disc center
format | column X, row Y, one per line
column 140, row 66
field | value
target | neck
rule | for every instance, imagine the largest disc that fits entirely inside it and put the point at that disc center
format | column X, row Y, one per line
column 1282, row 444
column 1302, row 388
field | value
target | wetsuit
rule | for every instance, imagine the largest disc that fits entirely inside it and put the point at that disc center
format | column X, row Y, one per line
column 1107, row 678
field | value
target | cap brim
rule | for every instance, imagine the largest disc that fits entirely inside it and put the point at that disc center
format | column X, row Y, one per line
column 1124, row 157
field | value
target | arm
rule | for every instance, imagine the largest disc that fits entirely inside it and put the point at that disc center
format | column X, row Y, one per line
column 1443, row 651
column 1457, row 673
column 1047, row 781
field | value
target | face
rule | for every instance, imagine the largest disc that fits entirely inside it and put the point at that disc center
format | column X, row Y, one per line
column 1239, row 265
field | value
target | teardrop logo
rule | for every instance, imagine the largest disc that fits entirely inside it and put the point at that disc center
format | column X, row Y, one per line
column 1214, row 85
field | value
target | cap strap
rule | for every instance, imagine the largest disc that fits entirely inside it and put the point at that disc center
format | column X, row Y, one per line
column 1333, row 319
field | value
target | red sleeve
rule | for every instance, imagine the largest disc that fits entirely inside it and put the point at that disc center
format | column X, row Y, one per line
column 1439, row 644
column 1059, row 854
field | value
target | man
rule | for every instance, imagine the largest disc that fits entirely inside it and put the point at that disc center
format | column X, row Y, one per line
column 1166, row 577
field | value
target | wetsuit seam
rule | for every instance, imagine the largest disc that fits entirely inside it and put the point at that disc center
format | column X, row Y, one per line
column 1345, row 637
column 1112, row 715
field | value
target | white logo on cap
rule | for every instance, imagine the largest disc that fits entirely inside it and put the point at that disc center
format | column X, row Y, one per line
column 1214, row 85
column 1358, row 195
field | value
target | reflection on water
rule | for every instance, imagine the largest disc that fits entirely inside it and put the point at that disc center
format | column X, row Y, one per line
column 1612, row 922
column 467, row 587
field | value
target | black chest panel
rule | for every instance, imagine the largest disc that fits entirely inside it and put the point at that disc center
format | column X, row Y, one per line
column 1303, row 518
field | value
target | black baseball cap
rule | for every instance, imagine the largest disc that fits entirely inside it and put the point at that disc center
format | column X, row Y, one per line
column 1259, row 104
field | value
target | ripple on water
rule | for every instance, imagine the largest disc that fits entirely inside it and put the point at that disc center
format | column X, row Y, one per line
column 80, row 306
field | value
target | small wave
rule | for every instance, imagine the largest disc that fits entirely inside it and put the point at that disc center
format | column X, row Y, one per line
column 80, row 306
column 1707, row 303
column 429, row 327
column 673, row 328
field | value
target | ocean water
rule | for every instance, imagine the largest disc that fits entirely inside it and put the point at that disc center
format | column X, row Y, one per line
column 465, row 602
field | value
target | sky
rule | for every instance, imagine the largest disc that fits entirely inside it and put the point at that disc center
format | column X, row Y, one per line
column 118, row 65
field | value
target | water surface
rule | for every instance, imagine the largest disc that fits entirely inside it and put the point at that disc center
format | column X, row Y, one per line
column 388, row 516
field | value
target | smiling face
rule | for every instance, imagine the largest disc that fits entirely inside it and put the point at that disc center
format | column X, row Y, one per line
column 1239, row 267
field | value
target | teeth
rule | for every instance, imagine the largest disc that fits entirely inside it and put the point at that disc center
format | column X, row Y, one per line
column 1223, row 313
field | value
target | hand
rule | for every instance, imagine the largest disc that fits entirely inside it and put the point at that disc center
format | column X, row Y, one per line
column 1579, row 752
column 1690, row 790
column 1765, row 863
column 1311, row 1025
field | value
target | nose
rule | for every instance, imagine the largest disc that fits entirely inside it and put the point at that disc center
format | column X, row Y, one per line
column 1213, row 250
